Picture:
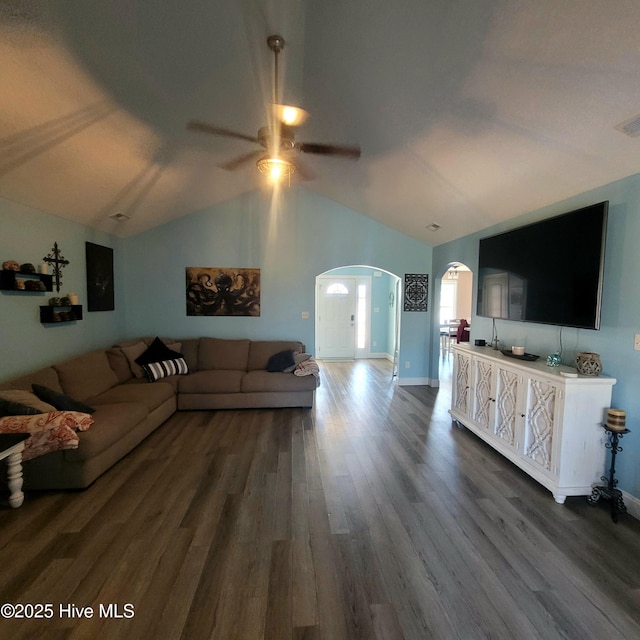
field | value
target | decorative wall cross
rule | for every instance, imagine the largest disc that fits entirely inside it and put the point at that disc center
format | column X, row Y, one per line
column 56, row 259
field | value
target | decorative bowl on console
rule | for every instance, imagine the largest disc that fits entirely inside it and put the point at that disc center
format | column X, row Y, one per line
column 588, row 364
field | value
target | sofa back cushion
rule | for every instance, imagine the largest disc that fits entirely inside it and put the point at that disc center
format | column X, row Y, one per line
column 119, row 363
column 261, row 350
column 190, row 352
column 87, row 375
column 218, row 353
column 46, row 377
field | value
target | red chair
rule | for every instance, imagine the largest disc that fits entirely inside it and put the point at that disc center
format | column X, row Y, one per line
column 463, row 332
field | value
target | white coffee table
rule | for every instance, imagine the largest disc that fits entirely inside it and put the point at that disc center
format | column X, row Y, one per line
column 11, row 447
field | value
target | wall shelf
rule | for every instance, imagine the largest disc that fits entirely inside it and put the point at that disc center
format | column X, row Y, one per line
column 9, row 281
column 54, row 315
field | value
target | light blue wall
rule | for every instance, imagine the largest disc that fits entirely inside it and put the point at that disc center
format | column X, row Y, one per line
column 27, row 235
column 620, row 307
column 292, row 239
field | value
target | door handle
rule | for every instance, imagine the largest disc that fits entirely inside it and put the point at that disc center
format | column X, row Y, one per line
column 352, row 317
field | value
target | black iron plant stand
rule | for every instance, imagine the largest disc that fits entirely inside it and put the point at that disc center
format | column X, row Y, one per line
column 609, row 491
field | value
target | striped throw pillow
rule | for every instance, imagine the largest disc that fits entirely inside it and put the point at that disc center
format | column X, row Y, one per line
column 157, row 370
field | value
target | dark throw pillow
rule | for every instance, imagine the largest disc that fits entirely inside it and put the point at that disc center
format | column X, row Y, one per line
column 60, row 401
column 13, row 408
column 280, row 361
column 157, row 352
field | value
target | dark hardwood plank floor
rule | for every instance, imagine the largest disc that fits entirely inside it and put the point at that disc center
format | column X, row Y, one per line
column 370, row 516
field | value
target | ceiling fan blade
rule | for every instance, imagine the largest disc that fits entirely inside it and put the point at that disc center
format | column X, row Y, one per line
column 195, row 125
column 236, row 163
column 343, row 151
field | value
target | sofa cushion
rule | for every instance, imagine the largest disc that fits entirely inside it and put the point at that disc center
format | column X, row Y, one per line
column 218, row 353
column 111, row 422
column 47, row 377
column 119, row 363
column 190, row 352
column 263, row 381
column 132, row 352
column 60, row 401
column 214, row 381
column 20, row 402
column 261, row 350
column 86, row 376
column 149, row 395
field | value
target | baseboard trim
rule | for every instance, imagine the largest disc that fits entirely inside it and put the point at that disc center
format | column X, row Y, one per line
column 633, row 505
column 413, row 382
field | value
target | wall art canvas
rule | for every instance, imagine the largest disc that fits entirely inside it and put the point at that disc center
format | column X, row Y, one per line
column 217, row 291
column 100, row 293
column 416, row 291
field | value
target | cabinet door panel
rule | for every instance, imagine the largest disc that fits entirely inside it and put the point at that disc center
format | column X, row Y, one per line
column 507, row 385
column 539, row 421
column 461, row 383
column 483, row 397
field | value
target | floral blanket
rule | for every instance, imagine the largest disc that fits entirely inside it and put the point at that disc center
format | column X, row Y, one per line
column 308, row 368
column 49, row 431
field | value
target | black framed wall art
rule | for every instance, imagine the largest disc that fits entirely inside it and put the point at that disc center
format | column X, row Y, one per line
column 214, row 291
column 100, row 287
column 416, row 291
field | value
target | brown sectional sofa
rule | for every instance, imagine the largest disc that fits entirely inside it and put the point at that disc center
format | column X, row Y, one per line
column 223, row 374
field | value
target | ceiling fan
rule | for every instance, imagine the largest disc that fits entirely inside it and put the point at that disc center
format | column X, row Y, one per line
column 279, row 146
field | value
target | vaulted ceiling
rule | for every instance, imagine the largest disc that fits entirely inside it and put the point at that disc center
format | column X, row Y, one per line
column 468, row 112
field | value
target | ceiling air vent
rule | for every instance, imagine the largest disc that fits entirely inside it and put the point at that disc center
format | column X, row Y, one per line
column 434, row 226
column 630, row 127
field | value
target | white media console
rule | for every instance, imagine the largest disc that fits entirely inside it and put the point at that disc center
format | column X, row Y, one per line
column 547, row 424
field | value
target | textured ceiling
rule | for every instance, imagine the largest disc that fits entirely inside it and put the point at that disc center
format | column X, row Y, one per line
column 468, row 113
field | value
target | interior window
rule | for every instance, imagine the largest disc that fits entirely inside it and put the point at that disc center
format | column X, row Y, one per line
column 447, row 301
column 337, row 289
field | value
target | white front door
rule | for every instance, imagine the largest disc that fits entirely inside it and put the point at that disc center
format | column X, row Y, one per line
column 336, row 317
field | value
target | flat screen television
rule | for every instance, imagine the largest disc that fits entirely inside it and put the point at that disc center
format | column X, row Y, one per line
column 548, row 272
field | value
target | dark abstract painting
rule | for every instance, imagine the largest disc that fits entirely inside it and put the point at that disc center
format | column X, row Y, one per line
column 213, row 291
column 100, row 296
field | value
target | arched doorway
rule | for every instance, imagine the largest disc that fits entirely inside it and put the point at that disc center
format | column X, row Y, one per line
column 357, row 314
column 456, row 302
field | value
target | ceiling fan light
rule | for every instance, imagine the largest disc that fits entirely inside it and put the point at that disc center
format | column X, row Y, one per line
column 291, row 116
column 275, row 168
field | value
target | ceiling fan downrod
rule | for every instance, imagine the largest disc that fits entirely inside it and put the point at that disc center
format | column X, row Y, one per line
column 276, row 44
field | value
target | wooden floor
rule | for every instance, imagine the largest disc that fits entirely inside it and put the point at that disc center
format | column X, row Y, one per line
column 370, row 516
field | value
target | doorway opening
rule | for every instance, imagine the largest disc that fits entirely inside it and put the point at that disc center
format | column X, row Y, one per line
column 456, row 301
column 357, row 314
